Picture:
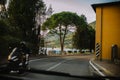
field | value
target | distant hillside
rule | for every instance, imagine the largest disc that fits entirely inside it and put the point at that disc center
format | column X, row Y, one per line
column 53, row 40
column 93, row 24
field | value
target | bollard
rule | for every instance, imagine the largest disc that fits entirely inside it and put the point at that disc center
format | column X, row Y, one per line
column 114, row 52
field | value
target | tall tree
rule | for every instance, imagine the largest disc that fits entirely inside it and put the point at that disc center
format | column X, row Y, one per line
column 60, row 22
column 80, row 38
column 22, row 19
column 91, row 38
column 84, row 38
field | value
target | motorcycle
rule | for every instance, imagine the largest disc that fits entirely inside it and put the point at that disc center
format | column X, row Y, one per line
column 17, row 60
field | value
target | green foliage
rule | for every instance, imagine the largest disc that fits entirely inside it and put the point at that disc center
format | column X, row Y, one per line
column 3, row 32
column 84, row 37
column 3, row 28
column 20, row 13
column 92, row 38
column 19, row 24
column 5, row 38
column 63, row 19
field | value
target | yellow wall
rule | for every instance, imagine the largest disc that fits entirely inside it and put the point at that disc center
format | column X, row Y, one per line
column 98, row 26
column 108, row 19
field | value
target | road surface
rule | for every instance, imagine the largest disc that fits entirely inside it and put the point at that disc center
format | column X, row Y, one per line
column 74, row 65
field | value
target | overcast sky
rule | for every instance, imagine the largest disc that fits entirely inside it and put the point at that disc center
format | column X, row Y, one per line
column 76, row 6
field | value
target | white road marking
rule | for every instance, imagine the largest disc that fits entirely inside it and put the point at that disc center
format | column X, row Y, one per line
column 37, row 59
column 56, row 65
column 96, row 69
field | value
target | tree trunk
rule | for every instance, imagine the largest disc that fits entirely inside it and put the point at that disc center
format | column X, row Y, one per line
column 62, row 39
column 62, row 48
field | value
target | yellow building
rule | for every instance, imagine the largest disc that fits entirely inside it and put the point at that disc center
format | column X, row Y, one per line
column 107, row 28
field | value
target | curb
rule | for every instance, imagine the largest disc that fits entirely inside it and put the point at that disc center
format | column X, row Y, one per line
column 101, row 70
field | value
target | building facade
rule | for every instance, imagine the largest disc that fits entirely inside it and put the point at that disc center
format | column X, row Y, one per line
column 107, row 29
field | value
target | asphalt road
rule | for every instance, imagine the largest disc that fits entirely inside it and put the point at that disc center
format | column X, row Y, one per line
column 73, row 65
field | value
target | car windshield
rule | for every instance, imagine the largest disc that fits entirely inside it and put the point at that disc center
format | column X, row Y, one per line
column 60, row 39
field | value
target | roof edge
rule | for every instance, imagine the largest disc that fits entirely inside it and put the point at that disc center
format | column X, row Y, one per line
column 102, row 4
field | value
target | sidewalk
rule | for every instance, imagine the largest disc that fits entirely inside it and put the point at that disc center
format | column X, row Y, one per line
column 107, row 68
